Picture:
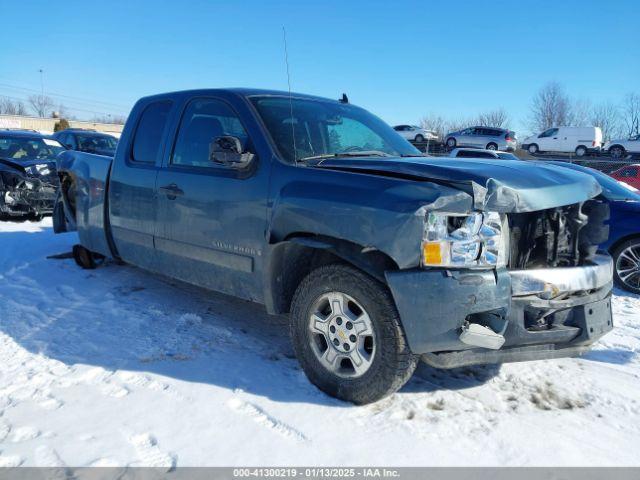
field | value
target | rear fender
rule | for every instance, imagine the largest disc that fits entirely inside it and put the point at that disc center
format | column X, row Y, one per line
column 81, row 203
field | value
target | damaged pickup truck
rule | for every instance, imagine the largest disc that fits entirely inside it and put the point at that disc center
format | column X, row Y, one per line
column 28, row 179
column 320, row 210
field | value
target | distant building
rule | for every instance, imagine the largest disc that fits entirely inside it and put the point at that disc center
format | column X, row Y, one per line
column 45, row 125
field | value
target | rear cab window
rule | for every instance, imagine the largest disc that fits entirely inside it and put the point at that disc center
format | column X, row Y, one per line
column 149, row 132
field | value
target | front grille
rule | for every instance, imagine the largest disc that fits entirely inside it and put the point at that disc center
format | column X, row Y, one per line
column 558, row 237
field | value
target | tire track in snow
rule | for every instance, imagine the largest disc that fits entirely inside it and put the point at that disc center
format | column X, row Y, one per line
column 259, row 416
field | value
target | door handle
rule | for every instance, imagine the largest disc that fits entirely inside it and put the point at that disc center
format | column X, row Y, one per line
column 171, row 191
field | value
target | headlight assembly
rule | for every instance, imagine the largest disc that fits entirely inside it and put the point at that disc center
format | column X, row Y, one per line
column 475, row 240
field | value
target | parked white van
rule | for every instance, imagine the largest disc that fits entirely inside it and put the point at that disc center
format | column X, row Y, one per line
column 578, row 140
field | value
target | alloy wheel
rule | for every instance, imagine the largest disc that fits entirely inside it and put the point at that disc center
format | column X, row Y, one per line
column 342, row 335
column 628, row 266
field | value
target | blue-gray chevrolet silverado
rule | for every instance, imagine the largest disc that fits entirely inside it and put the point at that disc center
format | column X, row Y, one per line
column 381, row 256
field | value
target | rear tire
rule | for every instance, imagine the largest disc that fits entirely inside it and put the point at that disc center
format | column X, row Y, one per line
column 329, row 296
column 581, row 151
column 451, row 143
column 492, row 146
column 617, row 151
column 83, row 257
column 533, row 149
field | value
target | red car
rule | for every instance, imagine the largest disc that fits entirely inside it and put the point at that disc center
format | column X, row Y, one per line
column 629, row 174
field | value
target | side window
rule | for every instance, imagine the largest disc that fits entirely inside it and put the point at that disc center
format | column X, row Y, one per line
column 69, row 140
column 470, row 154
column 548, row 133
column 148, row 136
column 203, row 121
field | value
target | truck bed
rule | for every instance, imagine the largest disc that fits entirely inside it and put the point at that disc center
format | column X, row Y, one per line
column 83, row 211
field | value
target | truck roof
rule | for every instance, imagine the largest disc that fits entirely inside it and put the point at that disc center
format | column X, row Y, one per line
column 241, row 92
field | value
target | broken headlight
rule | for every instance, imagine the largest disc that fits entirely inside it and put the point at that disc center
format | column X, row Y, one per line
column 475, row 240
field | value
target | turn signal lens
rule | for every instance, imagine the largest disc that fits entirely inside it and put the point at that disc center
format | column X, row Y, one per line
column 432, row 252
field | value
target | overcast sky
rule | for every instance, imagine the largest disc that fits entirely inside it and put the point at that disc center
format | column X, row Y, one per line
column 400, row 60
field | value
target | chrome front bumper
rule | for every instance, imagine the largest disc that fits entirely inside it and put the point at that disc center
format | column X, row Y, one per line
column 551, row 282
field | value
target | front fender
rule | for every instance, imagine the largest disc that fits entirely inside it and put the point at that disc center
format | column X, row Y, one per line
column 376, row 212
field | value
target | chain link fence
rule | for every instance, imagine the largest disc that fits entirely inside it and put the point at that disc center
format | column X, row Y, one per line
column 602, row 162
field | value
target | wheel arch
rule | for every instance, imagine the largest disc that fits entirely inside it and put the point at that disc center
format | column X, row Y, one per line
column 614, row 145
column 621, row 240
column 293, row 258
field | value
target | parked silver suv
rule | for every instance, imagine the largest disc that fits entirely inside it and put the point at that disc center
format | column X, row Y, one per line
column 489, row 138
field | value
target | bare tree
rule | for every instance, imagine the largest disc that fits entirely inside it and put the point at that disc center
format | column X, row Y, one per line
column 63, row 112
column 551, row 107
column 495, row 118
column 41, row 105
column 606, row 115
column 580, row 113
column 631, row 113
column 435, row 123
column 12, row 107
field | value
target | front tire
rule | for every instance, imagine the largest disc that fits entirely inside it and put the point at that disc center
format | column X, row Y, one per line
column 451, row 143
column 626, row 265
column 533, row 149
column 347, row 335
column 419, row 138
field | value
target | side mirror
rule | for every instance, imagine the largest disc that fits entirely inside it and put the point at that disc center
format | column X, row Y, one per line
column 227, row 150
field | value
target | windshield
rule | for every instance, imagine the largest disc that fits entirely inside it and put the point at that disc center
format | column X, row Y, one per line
column 613, row 189
column 94, row 143
column 26, row 148
column 319, row 128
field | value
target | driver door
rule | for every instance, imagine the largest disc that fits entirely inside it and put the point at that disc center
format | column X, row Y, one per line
column 212, row 216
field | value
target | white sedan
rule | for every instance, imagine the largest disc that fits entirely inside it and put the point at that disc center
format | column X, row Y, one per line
column 416, row 134
column 621, row 148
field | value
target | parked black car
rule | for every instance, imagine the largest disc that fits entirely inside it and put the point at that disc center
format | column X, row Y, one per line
column 28, row 178
column 88, row 141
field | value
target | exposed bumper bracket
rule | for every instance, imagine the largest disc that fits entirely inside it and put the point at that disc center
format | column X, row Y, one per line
column 550, row 282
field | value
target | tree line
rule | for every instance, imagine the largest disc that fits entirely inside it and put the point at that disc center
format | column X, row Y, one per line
column 551, row 106
column 43, row 106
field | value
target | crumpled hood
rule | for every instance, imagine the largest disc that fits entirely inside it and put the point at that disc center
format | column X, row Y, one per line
column 44, row 170
column 23, row 165
column 497, row 185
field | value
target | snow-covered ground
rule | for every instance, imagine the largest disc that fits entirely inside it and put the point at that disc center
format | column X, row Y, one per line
column 120, row 367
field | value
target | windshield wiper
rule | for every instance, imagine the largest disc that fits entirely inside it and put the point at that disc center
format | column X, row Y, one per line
column 363, row 153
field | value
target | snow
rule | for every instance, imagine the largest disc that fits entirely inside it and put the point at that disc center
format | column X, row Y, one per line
column 117, row 366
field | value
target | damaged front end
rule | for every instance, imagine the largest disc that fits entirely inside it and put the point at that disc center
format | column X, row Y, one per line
column 25, row 192
column 551, row 297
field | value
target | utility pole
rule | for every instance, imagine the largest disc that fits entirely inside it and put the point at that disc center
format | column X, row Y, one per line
column 41, row 82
